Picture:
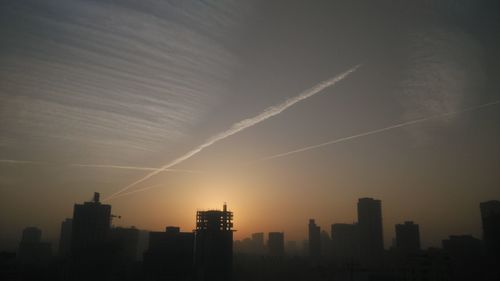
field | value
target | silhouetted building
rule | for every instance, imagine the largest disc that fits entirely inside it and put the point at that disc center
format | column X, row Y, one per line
column 92, row 253
column 125, row 242
column 314, row 240
column 326, row 245
column 9, row 267
column 170, row 255
column 276, row 244
column 371, row 240
column 407, row 238
column 345, row 242
column 465, row 257
column 31, row 235
column 258, row 239
column 65, row 238
column 214, row 244
column 32, row 250
column 143, row 244
column 291, row 248
column 258, row 242
column 91, row 224
column 429, row 265
column 490, row 216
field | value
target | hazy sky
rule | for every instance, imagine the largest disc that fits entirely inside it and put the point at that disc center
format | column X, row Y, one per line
column 141, row 83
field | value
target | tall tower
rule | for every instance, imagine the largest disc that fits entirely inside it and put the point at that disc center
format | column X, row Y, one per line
column 371, row 239
column 407, row 238
column 276, row 244
column 31, row 249
column 65, row 238
column 258, row 242
column 214, row 245
column 314, row 240
column 345, row 240
column 91, row 224
column 490, row 216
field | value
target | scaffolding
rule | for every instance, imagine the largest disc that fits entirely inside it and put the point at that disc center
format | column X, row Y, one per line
column 214, row 220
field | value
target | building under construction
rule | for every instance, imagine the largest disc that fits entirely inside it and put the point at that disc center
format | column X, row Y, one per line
column 214, row 244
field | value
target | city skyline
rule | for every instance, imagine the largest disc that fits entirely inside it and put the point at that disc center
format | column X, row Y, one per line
column 369, row 211
column 90, row 248
column 286, row 110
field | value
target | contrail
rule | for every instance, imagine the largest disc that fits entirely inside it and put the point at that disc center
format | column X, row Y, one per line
column 137, row 168
column 8, row 161
column 135, row 191
column 244, row 124
column 311, row 147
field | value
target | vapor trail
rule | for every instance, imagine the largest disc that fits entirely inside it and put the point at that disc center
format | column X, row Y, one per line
column 135, row 191
column 8, row 161
column 311, row 147
column 137, row 168
column 244, row 124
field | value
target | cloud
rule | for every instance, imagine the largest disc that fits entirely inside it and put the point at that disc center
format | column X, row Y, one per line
column 443, row 69
column 102, row 79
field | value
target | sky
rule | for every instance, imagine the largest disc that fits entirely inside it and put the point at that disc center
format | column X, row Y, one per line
column 91, row 89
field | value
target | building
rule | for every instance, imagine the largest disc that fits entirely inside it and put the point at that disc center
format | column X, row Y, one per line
column 92, row 254
column 407, row 238
column 276, row 244
column 490, row 216
column 292, row 249
column 65, row 238
column 170, row 255
column 125, row 243
column 326, row 245
column 258, row 242
column 32, row 250
column 214, row 244
column 345, row 243
column 314, row 240
column 371, row 240
column 91, row 225
column 464, row 252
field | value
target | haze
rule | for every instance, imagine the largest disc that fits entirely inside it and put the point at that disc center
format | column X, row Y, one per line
column 140, row 83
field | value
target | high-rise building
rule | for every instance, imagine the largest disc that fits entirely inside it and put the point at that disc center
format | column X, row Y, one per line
column 125, row 241
column 371, row 240
column 345, row 242
column 407, row 238
column 91, row 224
column 31, row 235
column 490, row 216
column 326, row 244
column 31, row 249
column 258, row 242
column 291, row 248
column 276, row 244
column 170, row 255
column 314, row 240
column 65, row 237
column 214, row 244
column 464, row 252
column 92, row 254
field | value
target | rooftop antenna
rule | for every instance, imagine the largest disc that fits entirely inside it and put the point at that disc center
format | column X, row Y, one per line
column 96, row 197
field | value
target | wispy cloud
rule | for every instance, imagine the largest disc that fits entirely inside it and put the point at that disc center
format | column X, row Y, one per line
column 106, row 78
column 443, row 69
